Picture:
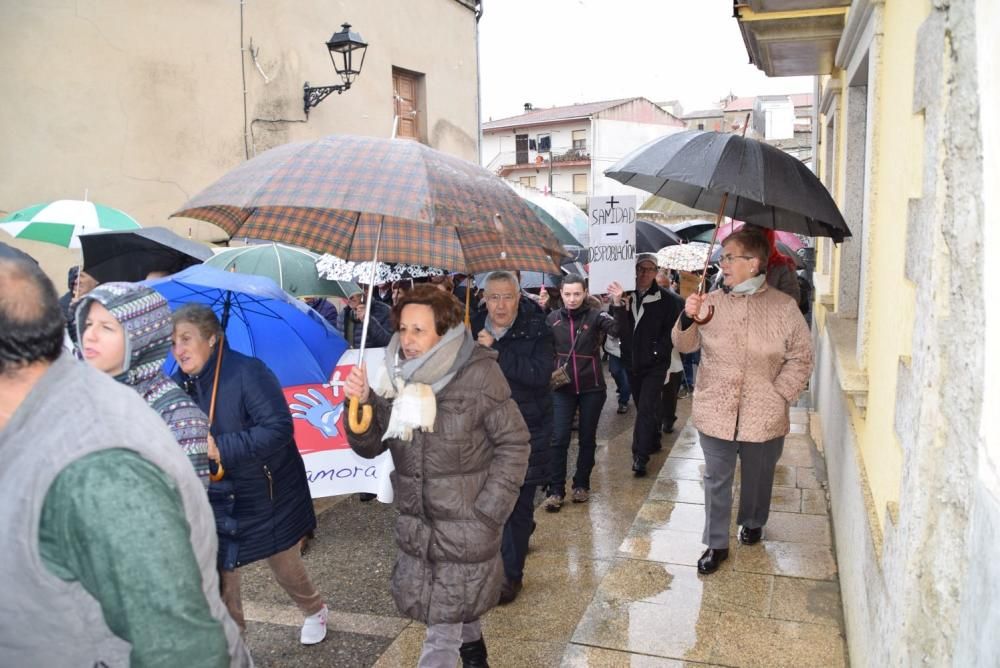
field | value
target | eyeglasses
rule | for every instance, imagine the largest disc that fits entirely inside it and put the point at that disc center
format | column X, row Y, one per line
column 496, row 299
column 728, row 259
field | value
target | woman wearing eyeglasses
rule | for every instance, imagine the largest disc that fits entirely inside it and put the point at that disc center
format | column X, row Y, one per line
column 756, row 357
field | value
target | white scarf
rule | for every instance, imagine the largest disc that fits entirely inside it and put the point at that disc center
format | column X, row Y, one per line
column 413, row 384
column 638, row 306
column 749, row 286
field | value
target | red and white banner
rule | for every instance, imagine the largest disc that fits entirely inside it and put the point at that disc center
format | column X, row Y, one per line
column 319, row 412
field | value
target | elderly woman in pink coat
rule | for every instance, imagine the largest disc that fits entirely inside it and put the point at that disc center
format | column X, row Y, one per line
column 756, row 357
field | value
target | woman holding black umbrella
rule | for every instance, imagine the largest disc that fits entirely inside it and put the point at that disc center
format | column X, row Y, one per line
column 756, row 359
column 260, row 494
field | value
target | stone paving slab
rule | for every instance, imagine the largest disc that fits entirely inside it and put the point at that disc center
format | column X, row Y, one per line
column 776, row 603
column 608, row 583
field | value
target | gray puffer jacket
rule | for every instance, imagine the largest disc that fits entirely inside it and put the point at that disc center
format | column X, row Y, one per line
column 454, row 488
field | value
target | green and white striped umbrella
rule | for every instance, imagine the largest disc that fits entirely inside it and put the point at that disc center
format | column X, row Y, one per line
column 63, row 221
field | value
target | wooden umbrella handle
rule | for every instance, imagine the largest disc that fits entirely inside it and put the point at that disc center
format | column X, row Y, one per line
column 219, row 471
column 359, row 417
column 707, row 318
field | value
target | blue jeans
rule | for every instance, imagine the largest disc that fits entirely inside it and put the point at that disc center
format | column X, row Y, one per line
column 564, row 405
column 689, row 360
column 516, row 532
column 617, row 370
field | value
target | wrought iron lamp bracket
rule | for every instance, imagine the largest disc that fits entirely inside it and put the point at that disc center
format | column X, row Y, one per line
column 312, row 96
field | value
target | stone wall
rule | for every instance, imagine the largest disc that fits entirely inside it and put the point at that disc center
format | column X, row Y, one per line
column 925, row 591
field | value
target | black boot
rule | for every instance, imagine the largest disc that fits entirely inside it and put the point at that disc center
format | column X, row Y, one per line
column 473, row 654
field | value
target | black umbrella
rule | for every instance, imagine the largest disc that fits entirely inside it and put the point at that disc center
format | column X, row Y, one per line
column 131, row 255
column 759, row 183
column 651, row 237
column 690, row 229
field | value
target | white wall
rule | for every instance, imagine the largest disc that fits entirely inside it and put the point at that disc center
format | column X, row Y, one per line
column 612, row 141
column 502, row 142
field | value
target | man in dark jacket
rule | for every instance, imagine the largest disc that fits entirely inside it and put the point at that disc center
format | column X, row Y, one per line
column 379, row 327
column 645, row 319
column 516, row 329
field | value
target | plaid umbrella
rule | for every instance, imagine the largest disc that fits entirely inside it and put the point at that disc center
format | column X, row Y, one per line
column 334, row 195
column 385, row 199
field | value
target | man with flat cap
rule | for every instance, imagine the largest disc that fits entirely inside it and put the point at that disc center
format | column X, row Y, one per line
column 645, row 319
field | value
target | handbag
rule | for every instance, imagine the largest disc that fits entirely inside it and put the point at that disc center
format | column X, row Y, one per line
column 560, row 376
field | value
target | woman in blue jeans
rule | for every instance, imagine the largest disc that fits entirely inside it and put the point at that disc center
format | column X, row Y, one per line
column 577, row 329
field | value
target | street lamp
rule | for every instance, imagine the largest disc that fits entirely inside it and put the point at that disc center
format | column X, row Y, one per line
column 342, row 47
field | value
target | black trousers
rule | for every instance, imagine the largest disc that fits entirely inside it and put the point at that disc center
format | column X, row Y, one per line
column 516, row 532
column 668, row 395
column 646, row 386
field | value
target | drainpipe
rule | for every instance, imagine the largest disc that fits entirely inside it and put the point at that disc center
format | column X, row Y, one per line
column 479, row 91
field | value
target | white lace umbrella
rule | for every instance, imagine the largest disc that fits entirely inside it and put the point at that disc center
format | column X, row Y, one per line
column 683, row 257
column 333, row 268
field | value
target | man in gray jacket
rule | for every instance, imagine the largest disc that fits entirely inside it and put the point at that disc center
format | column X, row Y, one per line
column 108, row 537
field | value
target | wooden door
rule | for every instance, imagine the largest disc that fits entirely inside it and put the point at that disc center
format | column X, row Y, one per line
column 404, row 88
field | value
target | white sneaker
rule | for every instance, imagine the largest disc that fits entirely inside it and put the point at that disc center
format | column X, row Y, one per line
column 314, row 628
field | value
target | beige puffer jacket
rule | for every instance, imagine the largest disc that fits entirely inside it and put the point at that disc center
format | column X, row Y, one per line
column 454, row 488
column 756, row 357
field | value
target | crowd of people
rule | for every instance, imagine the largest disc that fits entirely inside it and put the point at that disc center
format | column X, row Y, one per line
column 478, row 420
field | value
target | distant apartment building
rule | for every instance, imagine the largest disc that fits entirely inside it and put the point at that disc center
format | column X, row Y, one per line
column 565, row 150
column 784, row 121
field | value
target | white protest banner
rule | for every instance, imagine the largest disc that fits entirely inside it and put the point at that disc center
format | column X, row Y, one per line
column 612, row 242
column 318, row 412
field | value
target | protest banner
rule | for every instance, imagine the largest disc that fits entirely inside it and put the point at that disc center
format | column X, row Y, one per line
column 319, row 417
column 612, row 242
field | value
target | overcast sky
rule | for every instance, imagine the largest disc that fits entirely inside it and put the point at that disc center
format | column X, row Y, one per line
column 558, row 52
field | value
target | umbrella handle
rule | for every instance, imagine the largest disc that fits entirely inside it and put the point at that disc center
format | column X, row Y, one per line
column 707, row 318
column 219, row 470
column 358, row 420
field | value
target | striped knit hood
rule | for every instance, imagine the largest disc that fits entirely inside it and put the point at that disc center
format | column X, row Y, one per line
column 145, row 317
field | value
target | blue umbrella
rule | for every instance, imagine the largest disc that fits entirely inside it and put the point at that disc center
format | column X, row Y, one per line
column 261, row 320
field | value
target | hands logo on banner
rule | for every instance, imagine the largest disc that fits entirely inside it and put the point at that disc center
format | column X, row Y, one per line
column 318, row 412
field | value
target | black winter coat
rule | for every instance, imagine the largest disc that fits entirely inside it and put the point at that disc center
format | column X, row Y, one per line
column 589, row 325
column 379, row 326
column 527, row 360
column 646, row 346
column 262, row 505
